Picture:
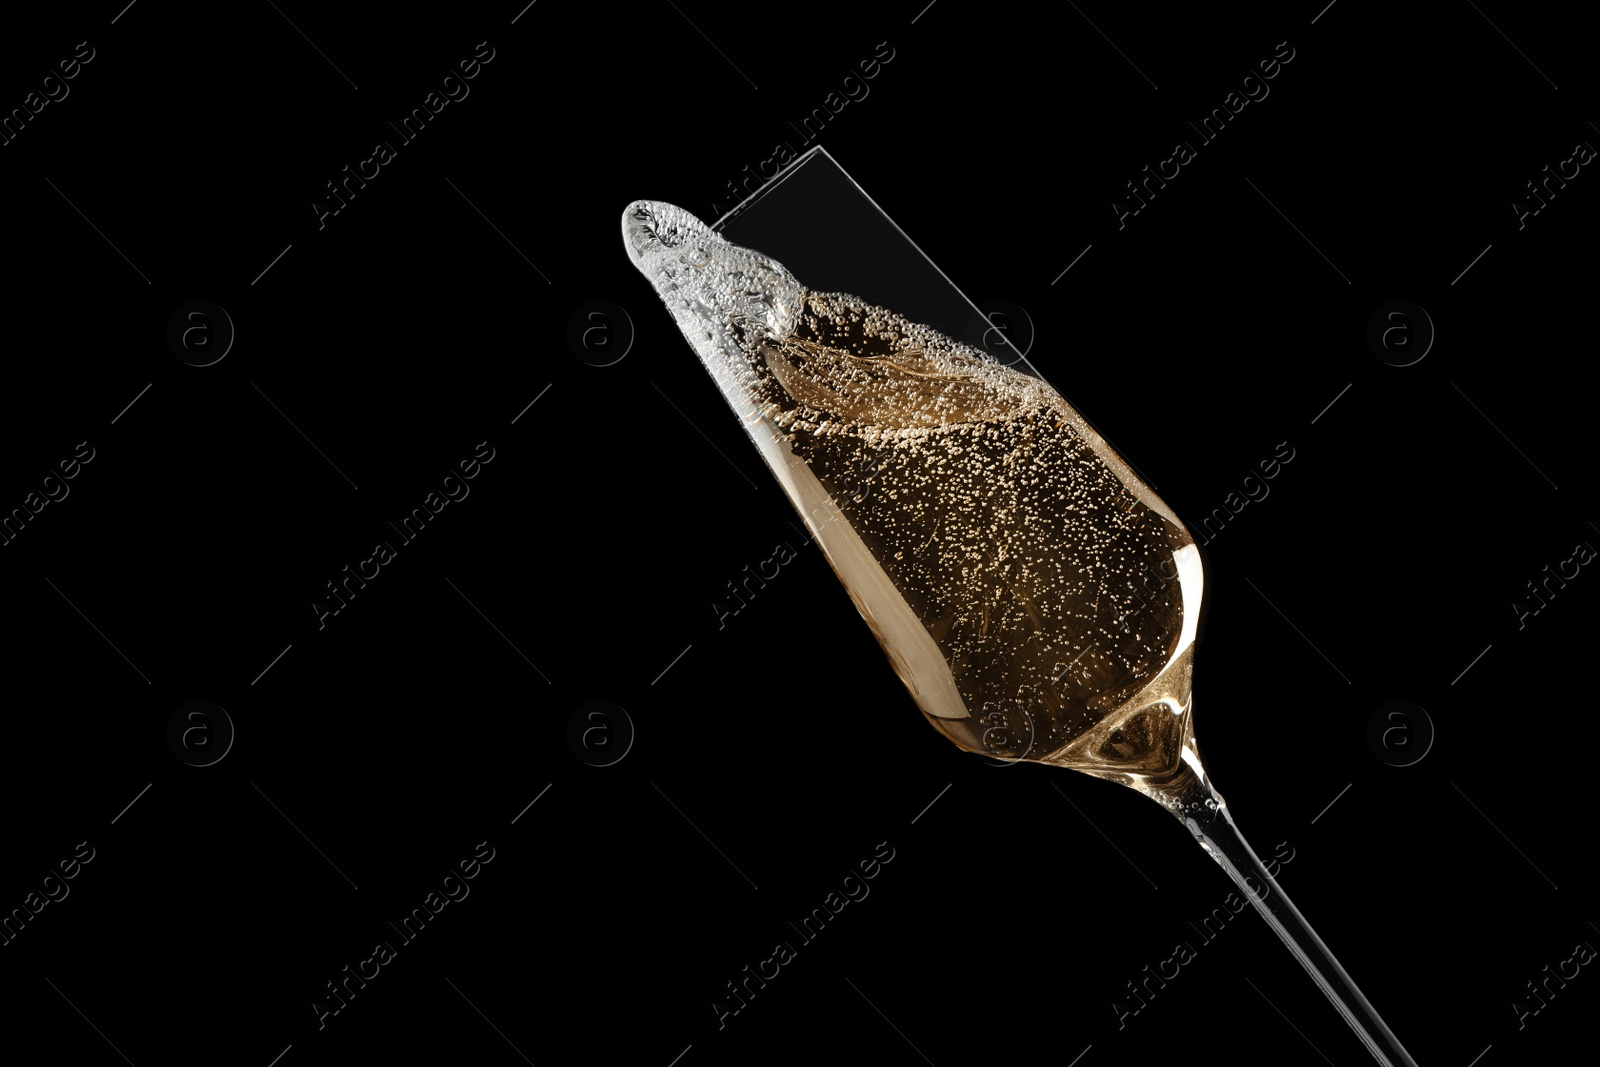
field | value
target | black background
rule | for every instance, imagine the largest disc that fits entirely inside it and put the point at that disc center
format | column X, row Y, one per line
column 777, row 751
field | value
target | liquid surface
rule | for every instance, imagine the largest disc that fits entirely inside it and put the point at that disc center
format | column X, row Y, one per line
column 1037, row 599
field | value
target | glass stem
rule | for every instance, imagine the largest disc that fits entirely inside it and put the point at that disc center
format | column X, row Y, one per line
column 1198, row 806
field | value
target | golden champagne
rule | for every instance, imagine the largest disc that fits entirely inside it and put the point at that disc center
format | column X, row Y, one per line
column 1036, row 597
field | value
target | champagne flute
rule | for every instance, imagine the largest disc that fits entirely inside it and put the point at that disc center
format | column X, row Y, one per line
column 1036, row 597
